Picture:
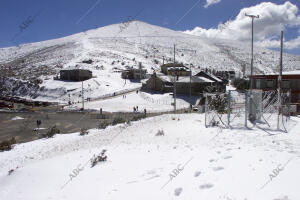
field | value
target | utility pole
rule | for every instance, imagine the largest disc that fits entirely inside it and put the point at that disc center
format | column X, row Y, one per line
column 251, row 79
column 82, row 96
column 174, row 84
column 190, row 81
column 251, row 70
column 279, row 79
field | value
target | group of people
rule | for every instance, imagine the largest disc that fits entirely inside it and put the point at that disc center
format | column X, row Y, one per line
column 124, row 96
column 135, row 109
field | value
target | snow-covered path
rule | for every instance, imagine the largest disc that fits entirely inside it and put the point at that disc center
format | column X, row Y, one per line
column 188, row 162
column 150, row 102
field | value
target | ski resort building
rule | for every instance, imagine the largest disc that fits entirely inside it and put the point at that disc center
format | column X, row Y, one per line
column 290, row 82
column 75, row 75
column 134, row 73
column 164, row 84
column 177, row 69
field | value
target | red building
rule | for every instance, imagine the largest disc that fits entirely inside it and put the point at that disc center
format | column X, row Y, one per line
column 290, row 82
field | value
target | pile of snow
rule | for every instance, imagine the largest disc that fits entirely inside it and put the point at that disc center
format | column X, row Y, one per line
column 17, row 118
column 188, row 162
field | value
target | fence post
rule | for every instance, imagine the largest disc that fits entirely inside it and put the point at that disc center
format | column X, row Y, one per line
column 246, row 108
column 228, row 108
column 205, row 95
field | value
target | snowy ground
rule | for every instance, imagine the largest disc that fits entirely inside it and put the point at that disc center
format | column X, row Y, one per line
column 188, row 162
column 150, row 102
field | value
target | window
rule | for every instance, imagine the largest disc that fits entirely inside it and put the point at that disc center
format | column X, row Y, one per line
column 285, row 84
column 270, row 83
column 257, row 83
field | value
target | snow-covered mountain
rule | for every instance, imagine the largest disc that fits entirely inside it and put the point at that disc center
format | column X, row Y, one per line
column 119, row 46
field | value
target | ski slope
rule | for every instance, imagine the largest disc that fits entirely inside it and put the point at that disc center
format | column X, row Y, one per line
column 119, row 46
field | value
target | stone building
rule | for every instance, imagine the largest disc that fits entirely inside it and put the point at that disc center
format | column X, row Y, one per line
column 75, row 75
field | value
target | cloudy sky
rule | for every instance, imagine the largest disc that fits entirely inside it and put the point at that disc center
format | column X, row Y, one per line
column 35, row 20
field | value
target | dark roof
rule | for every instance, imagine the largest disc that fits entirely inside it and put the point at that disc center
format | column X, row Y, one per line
column 209, row 76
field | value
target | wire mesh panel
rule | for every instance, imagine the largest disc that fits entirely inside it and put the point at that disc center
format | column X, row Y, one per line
column 216, row 105
column 272, row 112
column 237, row 112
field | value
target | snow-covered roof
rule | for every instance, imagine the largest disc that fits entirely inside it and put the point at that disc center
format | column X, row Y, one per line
column 195, row 79
column 166, row 78
column 216, row 78
column 292, row 72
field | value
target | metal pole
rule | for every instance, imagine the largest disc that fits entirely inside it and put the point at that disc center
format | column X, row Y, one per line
column 252, row 27
column 228, row 108
column 82, row 96
column 246, row 108
column 190, row 81
column 174, row 84
column 279, row 80
column 251, row 69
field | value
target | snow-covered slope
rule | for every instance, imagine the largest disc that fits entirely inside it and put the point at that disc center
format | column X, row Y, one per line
column 189, row 162
column 116, row 46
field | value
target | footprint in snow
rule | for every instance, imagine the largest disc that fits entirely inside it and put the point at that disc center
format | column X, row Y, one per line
column 212, row 160
column 227, row 157
column 177, row 191
column 197, row 173
column 218, row 168
column 206, row 186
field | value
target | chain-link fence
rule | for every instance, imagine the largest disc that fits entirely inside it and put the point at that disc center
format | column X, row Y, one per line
column 264, row 109
column 216, row 105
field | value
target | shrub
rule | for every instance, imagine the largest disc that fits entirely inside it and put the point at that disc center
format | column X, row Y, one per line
column 241, row 84
column 218, row 103
column 160, row 133
column 137, row 117
column 103, row 125
column 118, row 120
column 7, row 145
column 100, row 158
column 51, row 132
column 83, row 131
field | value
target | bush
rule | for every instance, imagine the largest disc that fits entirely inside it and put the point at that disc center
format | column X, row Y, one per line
column 51, row 132
column 7, row 145
column 160, row 133
column 100, row 158
column 137, row 117
column 241, row 84
column 118, row 120
column 218, row 103
column 83, row 131
column 103, row 125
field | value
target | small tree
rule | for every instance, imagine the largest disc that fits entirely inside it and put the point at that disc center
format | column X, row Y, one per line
column 51, row 132
column 241, row 84
column 103, row 125
column 160, row 133
column 100, row 158
column 7, row 145
column 83, row 131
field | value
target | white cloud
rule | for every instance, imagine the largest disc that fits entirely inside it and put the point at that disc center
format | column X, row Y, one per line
column 272, row 19
column 211, row 2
